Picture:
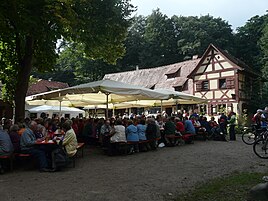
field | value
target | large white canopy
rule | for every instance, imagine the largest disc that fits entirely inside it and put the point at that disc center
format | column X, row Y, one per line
column 48, row 109
column 118, row 93
column 98, row 91
column 101, row 92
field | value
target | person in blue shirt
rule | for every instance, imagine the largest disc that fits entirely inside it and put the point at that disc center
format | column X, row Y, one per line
column 27, row 145
column 264, row 118
column 189, row 127
column 141, row 128
column 132, row 136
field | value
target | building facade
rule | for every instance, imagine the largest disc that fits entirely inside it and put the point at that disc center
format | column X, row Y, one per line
column 226, row 82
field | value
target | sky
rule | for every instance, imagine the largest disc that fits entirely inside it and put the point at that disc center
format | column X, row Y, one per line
column 235, row 12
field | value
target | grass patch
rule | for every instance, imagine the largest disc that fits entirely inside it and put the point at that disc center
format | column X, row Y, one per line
column 230, row 188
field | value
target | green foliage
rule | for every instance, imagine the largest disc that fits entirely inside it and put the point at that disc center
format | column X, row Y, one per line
column 229, row 188
column 248, row 41
column 75, row 67
column 196, row 33
column 242, row 119
column 30, row 31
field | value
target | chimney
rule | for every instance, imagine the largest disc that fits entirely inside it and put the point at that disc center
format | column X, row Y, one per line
column 195, row 57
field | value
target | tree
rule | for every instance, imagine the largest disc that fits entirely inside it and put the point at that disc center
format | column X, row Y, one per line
column 195, row 34
column 30, row 31
column 160, row 41
column 264, row 47
column 247, row 42
column 134, row 44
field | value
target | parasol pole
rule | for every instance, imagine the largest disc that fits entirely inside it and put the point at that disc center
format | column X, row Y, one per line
column 107, row 106
column 161, row 101
column 60, row 107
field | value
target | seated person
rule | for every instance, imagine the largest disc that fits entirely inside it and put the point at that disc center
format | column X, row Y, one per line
column 15, row 137
column 105, row 132
column 118, row 134
column 170, row 130
column 205, row 125
column 69, row 139
column 214, row 127
column 6, row 147
column 189, row 127
column 132, row 136
column 151, row 133
column 27, row 145
column 179, row 126
column 141, row 127
column 257, row 118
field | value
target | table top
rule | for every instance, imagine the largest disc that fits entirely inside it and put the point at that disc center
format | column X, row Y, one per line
column 45, row 142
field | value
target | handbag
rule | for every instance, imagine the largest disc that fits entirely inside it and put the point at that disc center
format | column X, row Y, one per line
column 61, row 158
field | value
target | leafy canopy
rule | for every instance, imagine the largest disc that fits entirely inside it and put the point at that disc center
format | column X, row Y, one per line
column 34, row 28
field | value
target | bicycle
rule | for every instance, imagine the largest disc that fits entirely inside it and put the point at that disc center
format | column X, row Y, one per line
column 260, row 147
column 250, row 135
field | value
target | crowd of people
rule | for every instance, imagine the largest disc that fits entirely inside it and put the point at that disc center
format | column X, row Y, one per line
column 22, row 137
column 260, row 118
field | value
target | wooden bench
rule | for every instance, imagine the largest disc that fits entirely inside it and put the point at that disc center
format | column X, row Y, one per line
column 188, row 138
column 10, row 158
column 22, row 155
column 80, row 147
column 174, row 137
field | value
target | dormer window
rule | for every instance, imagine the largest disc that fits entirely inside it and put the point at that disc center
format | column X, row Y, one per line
column 178, row 88
column 152, row 87
column 174, row 74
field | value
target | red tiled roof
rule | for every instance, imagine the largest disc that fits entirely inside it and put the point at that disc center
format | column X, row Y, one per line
column 44, row 86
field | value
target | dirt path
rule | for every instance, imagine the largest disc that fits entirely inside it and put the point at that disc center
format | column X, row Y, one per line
column 156, row 175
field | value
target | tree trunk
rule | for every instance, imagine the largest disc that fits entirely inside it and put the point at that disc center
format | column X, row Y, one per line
column 23, row 79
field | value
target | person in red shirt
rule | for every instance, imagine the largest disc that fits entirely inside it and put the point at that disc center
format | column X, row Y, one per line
column 179, row 125
column 257, row 118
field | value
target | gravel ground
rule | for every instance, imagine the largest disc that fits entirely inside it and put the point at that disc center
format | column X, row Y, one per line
column 156, row 175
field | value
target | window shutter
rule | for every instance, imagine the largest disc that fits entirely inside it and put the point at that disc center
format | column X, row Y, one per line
column 230, row 83
column 198, row 86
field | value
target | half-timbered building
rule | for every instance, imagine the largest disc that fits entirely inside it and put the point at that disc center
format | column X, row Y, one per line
column 226, row 82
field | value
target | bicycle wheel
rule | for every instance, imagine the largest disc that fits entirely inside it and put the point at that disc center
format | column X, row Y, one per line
column 248, row 138
column 260, row 148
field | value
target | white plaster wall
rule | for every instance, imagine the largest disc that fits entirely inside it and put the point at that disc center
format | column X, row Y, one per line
column 209, row 68
column 217, row 66
column 227, row 73
column 201, row 69
column 209, row 95
column 226, row 65
column 200, row 77
column 213, row 75
column 213, row 84
column 218, row 94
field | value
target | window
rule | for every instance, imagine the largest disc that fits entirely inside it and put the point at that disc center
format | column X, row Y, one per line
column 222, row 83
column 205, row 85
column 178, row 88
column 173, row 75
column 152, row 87
column 185, row 86
column 233, row 96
